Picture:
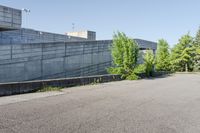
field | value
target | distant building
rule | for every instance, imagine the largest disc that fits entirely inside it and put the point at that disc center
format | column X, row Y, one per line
column 89, row 35
column 11, row 31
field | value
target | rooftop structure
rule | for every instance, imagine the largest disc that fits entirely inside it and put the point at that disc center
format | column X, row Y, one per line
column 89, row 35
column 24, row 36
column 10, row 18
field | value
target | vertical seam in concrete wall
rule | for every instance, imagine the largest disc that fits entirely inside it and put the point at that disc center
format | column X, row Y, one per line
column 82, row 73
column 64, row 64
column 93, row 46
column 11, row 51
column 42, row 75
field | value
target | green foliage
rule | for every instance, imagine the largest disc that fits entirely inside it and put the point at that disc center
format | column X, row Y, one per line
column 140, row 69
column 197, row 39
column 49, row 88
column 182, row 54
column 132, row 76
column 163, row 56
column 197, row 60
column 149, row 62
column 197, row 51
column 115, row 70
column 125, row 55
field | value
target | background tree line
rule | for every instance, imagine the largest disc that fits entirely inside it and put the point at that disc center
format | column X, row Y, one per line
column 184, row 56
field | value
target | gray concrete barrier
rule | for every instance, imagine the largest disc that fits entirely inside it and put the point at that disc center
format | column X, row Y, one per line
column 32, row 86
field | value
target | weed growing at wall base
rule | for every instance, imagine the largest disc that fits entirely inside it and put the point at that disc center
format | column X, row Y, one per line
column 49, row 88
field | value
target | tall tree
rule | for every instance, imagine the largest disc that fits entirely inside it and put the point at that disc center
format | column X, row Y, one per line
column 197, row 39
column 125, row 55
column 149, row 61
column 182, row 54
column 197, row 51
column 197, row 60
column 162, row 56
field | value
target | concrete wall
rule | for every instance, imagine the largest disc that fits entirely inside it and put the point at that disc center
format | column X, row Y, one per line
column 10, row 18
column 24, row 62
column 23, row 36
column 53, row 60
column 32, row 86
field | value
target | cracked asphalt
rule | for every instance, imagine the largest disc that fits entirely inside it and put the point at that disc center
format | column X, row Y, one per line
column 162, row 105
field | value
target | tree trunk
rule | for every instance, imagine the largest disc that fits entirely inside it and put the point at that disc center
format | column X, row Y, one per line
column 186, row 67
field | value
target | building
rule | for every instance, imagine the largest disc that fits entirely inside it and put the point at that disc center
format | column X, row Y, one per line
column 10, row 18
column 27, row 54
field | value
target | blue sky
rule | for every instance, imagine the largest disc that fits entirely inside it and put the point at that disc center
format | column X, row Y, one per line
column 145, row 19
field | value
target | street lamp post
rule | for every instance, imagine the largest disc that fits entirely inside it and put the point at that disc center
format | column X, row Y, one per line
column 26, row 11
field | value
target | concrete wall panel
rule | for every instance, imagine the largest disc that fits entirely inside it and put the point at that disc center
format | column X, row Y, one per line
column 32, row 70
column 52, row 66
column 12, row 72
column 21, row 62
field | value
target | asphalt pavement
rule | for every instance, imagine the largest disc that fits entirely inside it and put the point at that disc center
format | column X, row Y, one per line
column 162, row 105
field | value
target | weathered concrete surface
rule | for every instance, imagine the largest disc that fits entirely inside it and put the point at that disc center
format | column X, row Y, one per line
column 10, row 18
column 7, row 89
column 53, row 60
column 24, row 35
column 25, row 62
column 164, row 105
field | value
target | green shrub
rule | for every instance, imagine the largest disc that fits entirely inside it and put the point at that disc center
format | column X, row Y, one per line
column 125, row 55
column 163, row 56
column 132, row 76
column 139, row 69
column 149, row 61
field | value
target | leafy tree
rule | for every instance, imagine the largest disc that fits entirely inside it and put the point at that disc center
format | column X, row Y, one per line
column 197, row 51
column 182, row 54
column 163, row 56
column 197, row 39
column 125, row 55
column 197, row 60
column 149, row 61
column 174, row 59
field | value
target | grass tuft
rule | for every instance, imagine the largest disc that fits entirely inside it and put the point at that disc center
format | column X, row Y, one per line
column 49, row 88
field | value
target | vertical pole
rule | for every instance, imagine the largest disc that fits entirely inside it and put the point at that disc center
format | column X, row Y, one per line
column 186, row 67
